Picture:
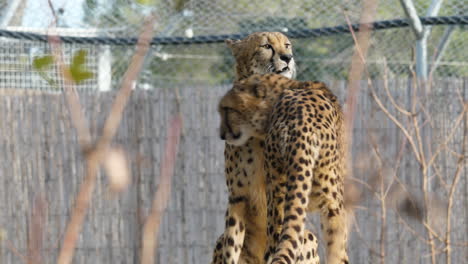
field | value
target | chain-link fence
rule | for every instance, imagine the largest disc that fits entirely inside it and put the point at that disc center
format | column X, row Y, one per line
column 319, row 56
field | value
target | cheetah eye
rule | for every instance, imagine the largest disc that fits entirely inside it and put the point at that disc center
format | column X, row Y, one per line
column 227, row 109
column 232, row 110
column 266, row 46
column 287, row 45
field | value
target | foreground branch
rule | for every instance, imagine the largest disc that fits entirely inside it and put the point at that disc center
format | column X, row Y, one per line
column 161, row 197
column 95, row 155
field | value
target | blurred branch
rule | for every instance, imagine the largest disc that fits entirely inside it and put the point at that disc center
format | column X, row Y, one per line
column 134, row 69
column 358, row 60
column 96, row 154
column 77, row 116
column 76, row 113
column 37, row 222
column 161, row 197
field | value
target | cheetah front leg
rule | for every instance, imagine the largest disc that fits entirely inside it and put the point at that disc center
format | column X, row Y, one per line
column 236, row 171
column 218, row 251
column 234, row 231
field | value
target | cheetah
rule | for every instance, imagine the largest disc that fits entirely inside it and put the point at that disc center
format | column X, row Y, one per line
column 301, row 124
column 245, row 235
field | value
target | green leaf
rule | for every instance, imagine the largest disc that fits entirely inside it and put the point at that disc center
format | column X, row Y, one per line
column 78, row 70
column 79, row 76
column 42, row 63
column 79, row 58
column 146, row 2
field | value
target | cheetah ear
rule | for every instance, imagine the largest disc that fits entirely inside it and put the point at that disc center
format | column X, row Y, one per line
column 234, row 45
column 231, row 42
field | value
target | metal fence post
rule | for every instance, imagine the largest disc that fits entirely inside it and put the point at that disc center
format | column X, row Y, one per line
column 421, row 32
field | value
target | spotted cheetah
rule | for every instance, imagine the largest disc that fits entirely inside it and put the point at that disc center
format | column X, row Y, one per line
column 245, row 235
column 301, row 124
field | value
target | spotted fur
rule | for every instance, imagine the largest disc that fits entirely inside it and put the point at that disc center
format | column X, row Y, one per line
column 245, row 237
column 301, row 124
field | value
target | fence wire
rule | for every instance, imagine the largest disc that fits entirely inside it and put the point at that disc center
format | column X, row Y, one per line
column 322, row 44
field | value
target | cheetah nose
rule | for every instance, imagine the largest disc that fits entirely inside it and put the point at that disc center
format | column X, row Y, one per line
column 286, row 57
column 282, row 70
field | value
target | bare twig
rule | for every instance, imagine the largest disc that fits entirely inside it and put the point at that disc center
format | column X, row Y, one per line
column 161, row 197
column 364, row 183
column 423, row 164
column 389, row 95
column 455, row 125
column 396, row 122
column 460, row 166
column 364, row 241
column 410, row 229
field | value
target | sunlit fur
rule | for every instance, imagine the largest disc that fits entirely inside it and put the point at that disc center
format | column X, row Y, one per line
column 263, row 52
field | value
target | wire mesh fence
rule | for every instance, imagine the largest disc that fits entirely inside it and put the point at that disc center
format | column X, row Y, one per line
column 324, row 57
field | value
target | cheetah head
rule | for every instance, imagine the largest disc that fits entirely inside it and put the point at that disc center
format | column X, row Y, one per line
column 261, row 53
column 244, row 112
